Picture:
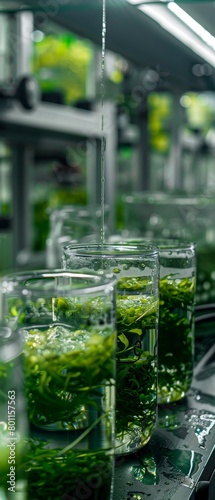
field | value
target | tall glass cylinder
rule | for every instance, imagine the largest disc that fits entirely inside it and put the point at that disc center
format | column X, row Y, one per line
column 176, row 318
column 13, row 418
column 177, row 287
column 137, row 271
column 67, row 324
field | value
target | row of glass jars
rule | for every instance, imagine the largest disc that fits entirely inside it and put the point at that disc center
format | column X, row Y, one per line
column 88, row 348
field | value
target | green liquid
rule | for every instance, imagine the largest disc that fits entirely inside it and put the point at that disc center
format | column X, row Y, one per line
column 176, row 338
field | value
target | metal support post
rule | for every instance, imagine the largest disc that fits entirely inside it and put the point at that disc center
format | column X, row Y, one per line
column 21, row 188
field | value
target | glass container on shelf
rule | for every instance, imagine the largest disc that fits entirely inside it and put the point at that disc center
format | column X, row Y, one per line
column 137, row 271
column 67, row 323
column 169, row 215
column 72, row 223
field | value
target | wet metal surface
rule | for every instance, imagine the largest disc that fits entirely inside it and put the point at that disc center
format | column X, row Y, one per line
column 181, row 452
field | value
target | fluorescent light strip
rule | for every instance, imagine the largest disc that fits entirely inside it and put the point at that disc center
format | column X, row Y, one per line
column 135, row 2
column 192, row 24
column 179, row 30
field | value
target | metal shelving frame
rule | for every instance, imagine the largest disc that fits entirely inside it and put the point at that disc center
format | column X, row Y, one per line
column 23, row 130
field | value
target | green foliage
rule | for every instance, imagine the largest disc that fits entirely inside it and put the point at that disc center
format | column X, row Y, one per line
column 60, row 62
column 64, row 371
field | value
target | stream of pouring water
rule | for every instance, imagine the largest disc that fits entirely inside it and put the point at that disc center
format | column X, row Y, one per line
column 103, row 139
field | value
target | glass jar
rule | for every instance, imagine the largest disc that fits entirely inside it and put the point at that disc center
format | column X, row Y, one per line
column 176, row 315
column 13, row 424
column 137, row 271
column 67, row 323
column 72, row 224
column 158, row 215
column 176, row 319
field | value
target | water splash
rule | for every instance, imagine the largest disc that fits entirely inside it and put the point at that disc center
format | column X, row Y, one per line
column 202, row 425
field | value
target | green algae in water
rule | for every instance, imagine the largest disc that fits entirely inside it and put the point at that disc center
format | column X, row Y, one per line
column 73, row 311
column 67, row 364
column 136, row 364
column 176, row 338
column 65, row 372
column 69, row 385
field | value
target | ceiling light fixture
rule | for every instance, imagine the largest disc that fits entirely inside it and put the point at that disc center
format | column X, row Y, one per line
column 182, row 31
column 193, row 25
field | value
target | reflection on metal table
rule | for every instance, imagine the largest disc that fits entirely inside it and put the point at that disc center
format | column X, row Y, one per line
column 178, row 463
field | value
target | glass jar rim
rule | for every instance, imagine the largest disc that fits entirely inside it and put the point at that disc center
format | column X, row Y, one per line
column 110, row 250
column 162, row 243
column 23, row 282
column 81, row 210
column 160, row 197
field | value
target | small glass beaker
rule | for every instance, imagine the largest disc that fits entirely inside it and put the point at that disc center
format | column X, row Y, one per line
column 137, row 271
column 13, row 417
column 67, row 323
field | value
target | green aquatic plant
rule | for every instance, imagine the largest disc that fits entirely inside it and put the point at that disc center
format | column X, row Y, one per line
column 53, row 473
column 136, row 360
column 175, row 346
column 64, row 371
column 69, row 375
